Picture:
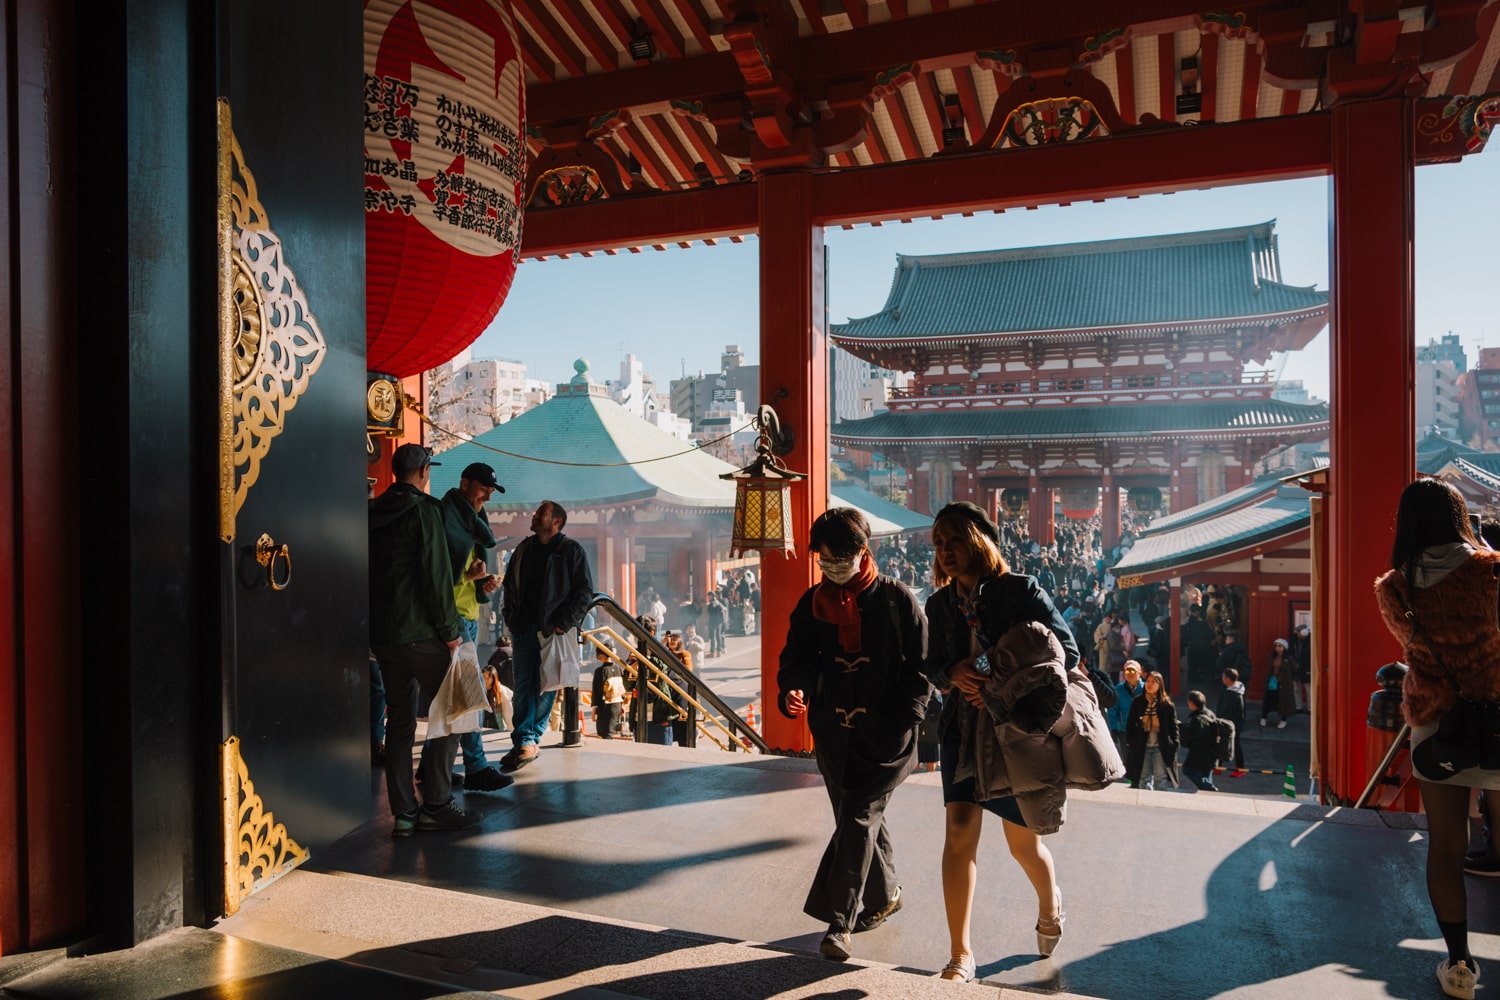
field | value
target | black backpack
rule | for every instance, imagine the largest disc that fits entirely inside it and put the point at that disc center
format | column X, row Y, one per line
column 1223, row 740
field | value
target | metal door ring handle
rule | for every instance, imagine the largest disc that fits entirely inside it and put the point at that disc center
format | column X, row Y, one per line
column 266, row 553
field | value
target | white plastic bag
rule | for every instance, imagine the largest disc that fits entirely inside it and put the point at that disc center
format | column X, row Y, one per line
column 562, row 667
column 458, row 706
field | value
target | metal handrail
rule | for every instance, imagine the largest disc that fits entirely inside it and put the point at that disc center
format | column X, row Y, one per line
column 664, row 678
column 700, row 691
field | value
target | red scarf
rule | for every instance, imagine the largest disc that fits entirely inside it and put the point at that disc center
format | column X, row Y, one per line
column 835, row 603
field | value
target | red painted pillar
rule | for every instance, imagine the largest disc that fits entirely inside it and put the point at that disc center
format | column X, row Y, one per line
column 918, row 491
column 1373, row 406
column 1175, row 618
column 1109, row 517
column 794, row 358
column 1035, row 518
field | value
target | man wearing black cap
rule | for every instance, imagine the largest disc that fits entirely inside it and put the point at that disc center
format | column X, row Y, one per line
column 413, row 628
column 469, row 540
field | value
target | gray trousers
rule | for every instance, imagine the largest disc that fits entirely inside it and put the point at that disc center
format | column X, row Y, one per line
column 858, row 867
column 405, row 669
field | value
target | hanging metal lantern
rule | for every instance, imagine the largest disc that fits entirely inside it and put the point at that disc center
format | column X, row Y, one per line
column 762, row 492
column 1014, row 500
column 1145, row 499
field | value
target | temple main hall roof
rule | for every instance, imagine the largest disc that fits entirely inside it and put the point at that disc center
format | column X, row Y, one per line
column 1220, row 275
column 1230, row 418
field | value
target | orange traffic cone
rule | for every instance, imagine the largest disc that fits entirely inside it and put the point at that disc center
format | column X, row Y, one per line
column 750, row 719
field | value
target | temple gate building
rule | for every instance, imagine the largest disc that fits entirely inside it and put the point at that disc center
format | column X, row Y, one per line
column 1064, row 371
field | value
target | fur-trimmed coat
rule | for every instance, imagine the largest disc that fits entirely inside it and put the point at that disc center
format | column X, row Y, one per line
column 1456, row 617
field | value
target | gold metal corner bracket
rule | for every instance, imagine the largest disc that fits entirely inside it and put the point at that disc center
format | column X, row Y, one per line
column 257, row 849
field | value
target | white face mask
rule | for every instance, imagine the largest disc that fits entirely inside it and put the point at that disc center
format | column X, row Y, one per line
column 839, row 572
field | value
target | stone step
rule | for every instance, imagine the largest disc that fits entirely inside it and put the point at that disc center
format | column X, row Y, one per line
column 480, row 944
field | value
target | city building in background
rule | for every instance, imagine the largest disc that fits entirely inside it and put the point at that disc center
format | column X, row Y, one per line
column 636, row 391
column 693, row 396
column 861, row 388
column 1057, row 372
column 1479, row 401
column 469, row 396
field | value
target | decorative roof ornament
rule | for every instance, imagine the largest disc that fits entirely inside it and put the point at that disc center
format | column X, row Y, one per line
column 762, row 490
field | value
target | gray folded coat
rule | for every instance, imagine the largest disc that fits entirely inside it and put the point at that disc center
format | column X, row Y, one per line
column 1047, row 733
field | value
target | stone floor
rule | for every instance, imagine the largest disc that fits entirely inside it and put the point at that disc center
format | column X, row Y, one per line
column 1168, row 895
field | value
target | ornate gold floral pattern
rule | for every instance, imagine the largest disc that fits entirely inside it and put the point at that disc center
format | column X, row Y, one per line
column 271, row 342
column 257, row 849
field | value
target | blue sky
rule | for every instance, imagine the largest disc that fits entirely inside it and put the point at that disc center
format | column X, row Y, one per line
column 677, row 308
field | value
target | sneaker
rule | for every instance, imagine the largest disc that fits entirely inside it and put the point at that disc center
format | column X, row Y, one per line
column 1262, row 722
column 1281, row 724
column 487, row 779
column 404, row 825
column 1238, row 772
column 1485, row 865
column 518, row 757
column 1458, row 980
column 446, row 817
column 836, row 946
column 868, row 920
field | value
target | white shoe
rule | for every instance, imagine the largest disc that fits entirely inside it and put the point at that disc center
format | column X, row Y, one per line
column 1281, row 724
column 1458, row 980
column 1262, row 723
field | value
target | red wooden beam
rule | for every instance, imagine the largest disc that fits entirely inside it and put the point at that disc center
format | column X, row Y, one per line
column 897, row 8
column 681, row 160
column 1208, row 73
column 603, row 49
column 1291, row 101
column 717, row 162
column 697, row 21
column 633, row 222
column 1250, row 88
column 619, row 22
column 811, row 11
column 546, row 30
column 932, row 106
column 1166, row 75
column 651, row 165
column 663, row 30
column 968, row 99
column 875, row 143
column 1122, row 165
column 1125, row 83
column 1142, row 163
column 859, row 15
column 585, row 99
column 536, row 60
column 1462, row 81
column 906, row 131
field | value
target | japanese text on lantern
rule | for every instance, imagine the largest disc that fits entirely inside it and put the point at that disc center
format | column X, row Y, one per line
column 463, row 169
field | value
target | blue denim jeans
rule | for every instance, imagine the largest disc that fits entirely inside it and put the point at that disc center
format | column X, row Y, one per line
column 377, row 704
column 471, row 744
column 532, row 708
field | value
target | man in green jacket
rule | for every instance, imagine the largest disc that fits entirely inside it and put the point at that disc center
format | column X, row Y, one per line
column 413, row 629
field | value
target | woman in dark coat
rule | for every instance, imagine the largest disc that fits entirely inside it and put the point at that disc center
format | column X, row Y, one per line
column 853, row 664
column 1153, row 736
column 1280, row 695
column 980, row 600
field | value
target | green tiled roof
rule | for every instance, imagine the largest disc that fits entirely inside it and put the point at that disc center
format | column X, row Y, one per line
column 1033, row 423
column 1184, row 277
column 1244, row 496
column 885, row 518
column 1281, row 514
column 1434, row 452
column 586, row 428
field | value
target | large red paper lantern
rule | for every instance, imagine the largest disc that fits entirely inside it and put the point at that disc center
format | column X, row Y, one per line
column 445, row 162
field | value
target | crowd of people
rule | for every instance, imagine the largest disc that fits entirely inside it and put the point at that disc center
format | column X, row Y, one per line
column 1026, row 652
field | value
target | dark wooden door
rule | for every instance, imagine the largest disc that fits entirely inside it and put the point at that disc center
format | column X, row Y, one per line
column 291, row 116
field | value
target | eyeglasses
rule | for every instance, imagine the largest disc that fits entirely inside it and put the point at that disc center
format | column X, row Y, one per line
column 835, row 564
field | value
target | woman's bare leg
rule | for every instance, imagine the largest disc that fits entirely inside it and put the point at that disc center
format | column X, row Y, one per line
column 960, row 850
column 1036, row 861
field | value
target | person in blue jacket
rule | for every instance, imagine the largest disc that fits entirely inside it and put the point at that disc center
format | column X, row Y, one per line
column 1126, row 691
